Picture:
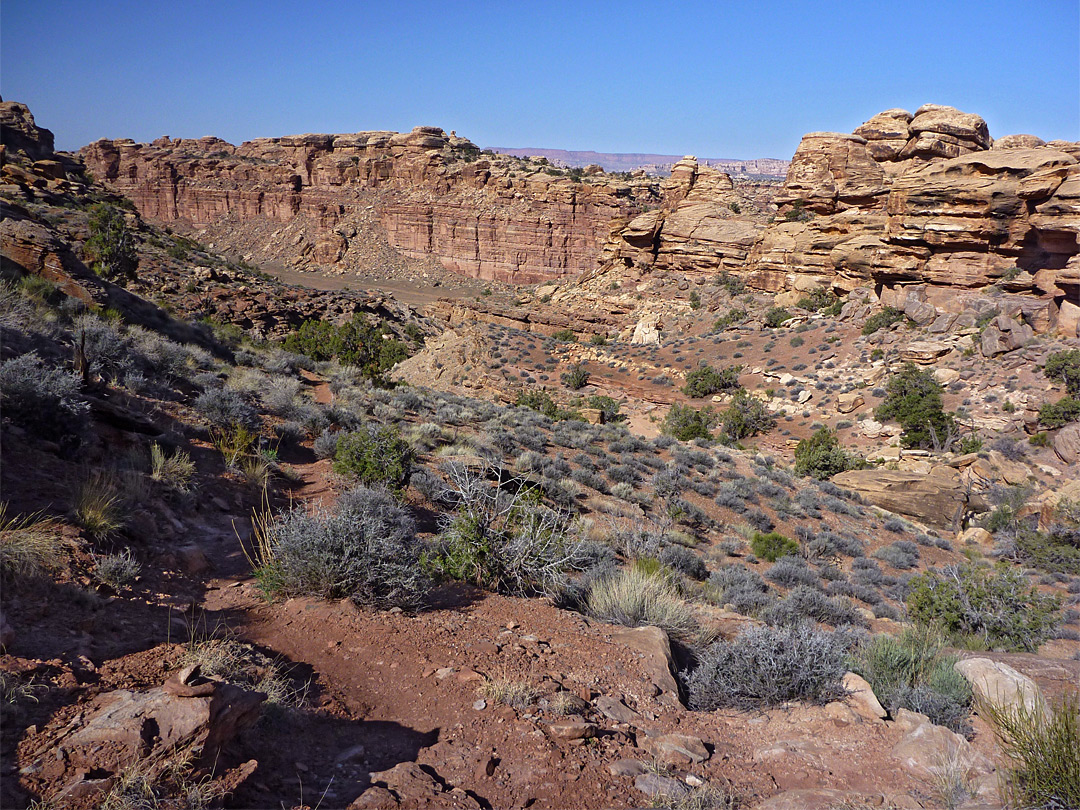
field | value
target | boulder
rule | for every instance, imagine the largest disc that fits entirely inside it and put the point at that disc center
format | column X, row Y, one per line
column 929, row 752
column 999, row 684
column 123, row 727
column 848, row 402
column 861, row 697
column 1067, row 443
column 937, row 498
column 653, row 643
column 677, row 749
column 407, row 784
column 924, row 352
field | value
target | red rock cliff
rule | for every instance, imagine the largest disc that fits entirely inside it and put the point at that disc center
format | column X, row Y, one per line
column 303, row 200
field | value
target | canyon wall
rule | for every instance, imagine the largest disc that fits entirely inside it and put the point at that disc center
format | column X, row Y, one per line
column 302, row 200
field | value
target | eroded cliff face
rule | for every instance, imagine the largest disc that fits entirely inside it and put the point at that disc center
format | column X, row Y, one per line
column 924, row 198
column 311, row 200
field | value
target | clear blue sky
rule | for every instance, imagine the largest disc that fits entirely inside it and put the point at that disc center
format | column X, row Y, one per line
column 717, row 79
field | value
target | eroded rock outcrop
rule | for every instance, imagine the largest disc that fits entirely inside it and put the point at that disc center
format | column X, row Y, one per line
column 926, row 198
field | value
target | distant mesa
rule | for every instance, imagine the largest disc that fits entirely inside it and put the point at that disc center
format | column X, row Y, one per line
column 763, row 168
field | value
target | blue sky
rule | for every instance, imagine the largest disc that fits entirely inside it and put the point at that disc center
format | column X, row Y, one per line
column 716, row 79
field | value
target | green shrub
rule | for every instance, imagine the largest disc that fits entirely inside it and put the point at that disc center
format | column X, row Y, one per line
column 818, row 299
column 695, row 300
column 985, row 609
column 773, row 546
column 1042, row 745
column 776, row 316
column 685, row 423
column 730, row 318
column 636, row 596
column 369, row 347
column 564, row 335
column 744, row 417
column 882, row 320
column 767, row 666
column 821, row 456
column 1057, row 414
column 1040, row 439
column 539, row 401
column 911, row 671
column 1065, row 368
column 111, row 247
column 365, row 549
column 502, row 538
column 608, row 406
column 576, row 378
column 913, row 398
column 705, row 381
column 377, row 455
column 733, row 284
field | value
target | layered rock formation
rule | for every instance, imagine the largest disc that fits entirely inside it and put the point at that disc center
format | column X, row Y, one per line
column 425, row 192
column 927, row 198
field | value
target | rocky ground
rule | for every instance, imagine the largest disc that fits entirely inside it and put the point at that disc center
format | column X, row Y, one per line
column 148, row 661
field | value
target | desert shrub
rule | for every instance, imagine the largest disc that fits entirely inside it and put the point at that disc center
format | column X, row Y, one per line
column 564, row 335
column 792, row 571
column 818, row 299
column 374, row 456
column 746, row 416
column 501, row 537
column 280, row 396
column 117, row 570
column 539, row 401
column 914, row 400
column 371, row 348
column 994, row 609
column 730, row 318
column 902, row 554
column 685, row 423
column 111, row 246
column 608, row 407
column 225, row 408
column 705, row 381
column 864, row 593
column 776, row 316
column 882, row 320
column 101, row 350
column 1060, row 413
column 804, row 602
column 636, row 597
column 684, row 561
column 912, row 671
column 740, row 587
column 365, row 549
column 1042, row 747
column 773, row 546
column 576, row 378
column 767, row 666
column 894, row 525
column 822, row 456
column 174, row 472
column 325, row 445
column 30, row 545
column 43, row 399
column 1064, row 367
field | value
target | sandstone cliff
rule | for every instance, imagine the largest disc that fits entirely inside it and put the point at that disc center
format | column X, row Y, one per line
column 320, row 200
column 928, row 197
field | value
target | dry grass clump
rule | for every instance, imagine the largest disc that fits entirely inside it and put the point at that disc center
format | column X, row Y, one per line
column 29, row 544
column 99, row 505
column 506, row 691
column 174, row 472
column 636, row 597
